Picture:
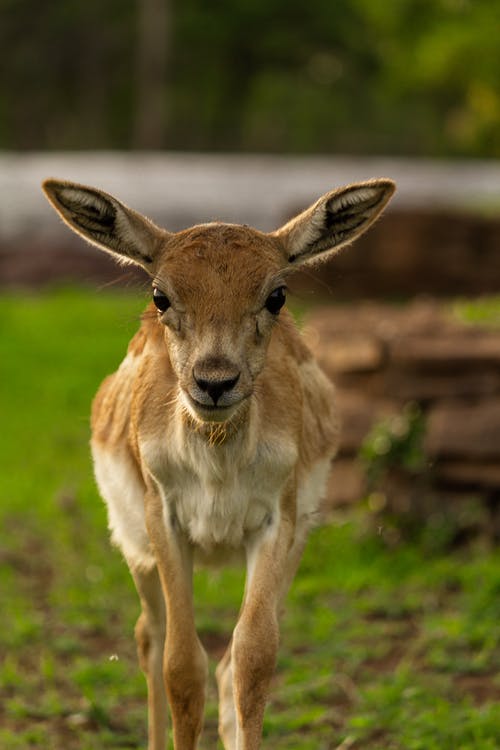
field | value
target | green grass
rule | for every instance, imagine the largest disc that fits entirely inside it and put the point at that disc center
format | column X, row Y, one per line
column 381, row 649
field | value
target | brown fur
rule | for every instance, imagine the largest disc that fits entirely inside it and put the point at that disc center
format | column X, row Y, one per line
column 212, row 438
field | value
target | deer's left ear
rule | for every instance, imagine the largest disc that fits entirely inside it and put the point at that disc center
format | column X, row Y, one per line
column 334, row 220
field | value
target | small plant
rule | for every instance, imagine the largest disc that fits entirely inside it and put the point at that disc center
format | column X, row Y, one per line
column 395, row 443
column 401, row 497
column 484, row 311
column 398, row 490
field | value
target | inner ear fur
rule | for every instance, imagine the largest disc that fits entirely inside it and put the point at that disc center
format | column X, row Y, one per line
column 335, row 220
column 106, row 222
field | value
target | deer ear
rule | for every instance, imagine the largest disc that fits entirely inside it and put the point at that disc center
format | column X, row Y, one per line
column 104, row 221
column 334, row 220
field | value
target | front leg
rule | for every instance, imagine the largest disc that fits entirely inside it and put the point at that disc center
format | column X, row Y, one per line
column 185, row 662
column 256, row 636
column 227, row 713
column 150, row 637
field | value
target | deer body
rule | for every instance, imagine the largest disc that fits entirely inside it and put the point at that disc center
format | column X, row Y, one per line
column 213, row 439
column 220, row 486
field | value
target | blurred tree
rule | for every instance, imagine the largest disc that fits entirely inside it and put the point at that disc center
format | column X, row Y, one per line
column 151, row 79
column 409, row 76
column 65, row 78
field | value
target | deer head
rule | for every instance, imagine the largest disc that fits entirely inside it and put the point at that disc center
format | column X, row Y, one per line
column 219, row 288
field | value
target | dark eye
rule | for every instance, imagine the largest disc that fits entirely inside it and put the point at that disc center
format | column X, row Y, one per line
column 276, row 300
column 160, row 299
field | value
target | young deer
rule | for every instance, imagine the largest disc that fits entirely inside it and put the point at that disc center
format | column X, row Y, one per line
column 214, row 437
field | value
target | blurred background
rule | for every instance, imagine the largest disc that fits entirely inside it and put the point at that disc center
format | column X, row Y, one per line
column 248, row 111
column 410, row 77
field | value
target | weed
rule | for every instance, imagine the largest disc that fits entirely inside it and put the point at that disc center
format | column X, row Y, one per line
column 395, row 443
column 484, row 311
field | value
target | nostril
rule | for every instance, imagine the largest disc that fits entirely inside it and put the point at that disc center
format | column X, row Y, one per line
column 229, row 383
column 216, row 387
column 202, row 383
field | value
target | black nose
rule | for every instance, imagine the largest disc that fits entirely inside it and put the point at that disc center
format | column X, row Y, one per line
column 215, row 387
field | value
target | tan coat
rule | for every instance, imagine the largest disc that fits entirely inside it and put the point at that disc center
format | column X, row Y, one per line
column 214, row 437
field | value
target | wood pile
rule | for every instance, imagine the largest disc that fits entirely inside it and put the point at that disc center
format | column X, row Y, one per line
column 384, row 357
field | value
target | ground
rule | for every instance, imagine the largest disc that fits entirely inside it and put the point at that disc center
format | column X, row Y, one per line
column 382, row 648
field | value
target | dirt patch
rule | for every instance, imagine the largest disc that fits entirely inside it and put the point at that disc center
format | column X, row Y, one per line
column 482, row 688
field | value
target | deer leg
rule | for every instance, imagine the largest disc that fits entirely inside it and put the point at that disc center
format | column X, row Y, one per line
column 150, row 638
column 185, row 673
column 256, row 636
column 227, row 711
column 254, row 650
column 185, row 662
column 293, row 559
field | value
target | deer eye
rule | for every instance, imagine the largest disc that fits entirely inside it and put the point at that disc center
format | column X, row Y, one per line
column 160, row 299
column 276, row 300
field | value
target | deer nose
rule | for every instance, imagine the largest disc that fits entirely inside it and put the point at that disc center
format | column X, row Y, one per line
column 216, row 385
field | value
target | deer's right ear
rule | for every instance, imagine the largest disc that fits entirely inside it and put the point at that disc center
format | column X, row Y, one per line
column 104, row 221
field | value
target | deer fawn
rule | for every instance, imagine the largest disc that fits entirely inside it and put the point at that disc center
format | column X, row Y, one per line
column 214, row 437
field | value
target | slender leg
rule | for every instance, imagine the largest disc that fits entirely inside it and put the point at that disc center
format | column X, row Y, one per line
column 255, row 646
column 150, row 637
column 224, row 673
column 292, row 562
column 227, row 711
column 185, row 662
column 256, row 636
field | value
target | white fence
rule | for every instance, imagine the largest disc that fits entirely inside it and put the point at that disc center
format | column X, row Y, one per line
column 179, row 189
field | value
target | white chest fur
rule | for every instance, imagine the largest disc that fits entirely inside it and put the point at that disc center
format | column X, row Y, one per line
column 219, row 497
column 220, row 494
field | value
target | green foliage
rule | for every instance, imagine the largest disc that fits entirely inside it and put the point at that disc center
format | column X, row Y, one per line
column 410, row 76
column 381, row 648
column 395, row 443
column 484, row 311
column 401, row 501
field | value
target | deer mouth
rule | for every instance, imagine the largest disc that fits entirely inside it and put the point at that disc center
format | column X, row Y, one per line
column 205, row 412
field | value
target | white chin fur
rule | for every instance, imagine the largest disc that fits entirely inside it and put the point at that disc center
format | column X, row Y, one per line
column 207, row 415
